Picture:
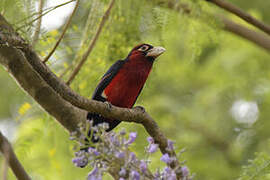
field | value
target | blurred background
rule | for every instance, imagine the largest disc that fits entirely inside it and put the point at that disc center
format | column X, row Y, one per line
column 210, row 91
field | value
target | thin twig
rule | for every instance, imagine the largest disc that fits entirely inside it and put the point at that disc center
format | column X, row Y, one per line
column 37, row 31
column 258, row 38
column 243, row 15
column 17, row 168
column 43, row 14
column 63, row 33
column 83, row 41
column 92, row 44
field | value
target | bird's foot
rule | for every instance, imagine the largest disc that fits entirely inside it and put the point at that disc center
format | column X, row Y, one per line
column 139, row 108
column 109, row 105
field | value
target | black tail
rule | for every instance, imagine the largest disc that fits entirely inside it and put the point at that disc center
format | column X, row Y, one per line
column 98, row 119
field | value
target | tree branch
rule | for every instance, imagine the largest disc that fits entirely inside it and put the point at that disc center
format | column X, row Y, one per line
column 92, row 44
column 63, row 33
column 258, row 38
column 14, row 60
column 38, row 26
column 14, row 163
column 240, row 13
column 60, row 101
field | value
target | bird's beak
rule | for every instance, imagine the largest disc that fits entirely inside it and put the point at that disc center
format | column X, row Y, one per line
column 155, row 51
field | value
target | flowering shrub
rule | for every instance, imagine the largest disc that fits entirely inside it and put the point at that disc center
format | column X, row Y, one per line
column 112, row 154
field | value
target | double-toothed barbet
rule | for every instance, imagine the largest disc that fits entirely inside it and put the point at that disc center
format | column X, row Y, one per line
column 122, row 83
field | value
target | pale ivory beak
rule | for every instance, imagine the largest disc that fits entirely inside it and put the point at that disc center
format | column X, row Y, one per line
column 155, row 51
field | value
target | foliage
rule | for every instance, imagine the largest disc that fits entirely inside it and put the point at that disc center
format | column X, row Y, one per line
column 257, row 168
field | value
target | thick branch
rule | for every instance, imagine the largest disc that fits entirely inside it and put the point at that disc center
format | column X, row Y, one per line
column 240, row 13
column 14, row 60
column 92, row 44
column 63, row 33
column 14, row 163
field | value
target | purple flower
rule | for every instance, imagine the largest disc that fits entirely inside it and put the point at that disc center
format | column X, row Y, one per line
column 172, row 176
column 93, row 151
column 167, row 170
column 135, row 175
column 157, row 175
column 132, row 137
column 80, row 161
column 122, row 172
column 121, row 178
column 166, row 158
column 169, row 173
column 132, row 157
column 170, row 145
column 94, row 175
column 150, row 140
column 185, row 171
column 143, row 166
column 152, row 148
column 120, row 154
column 114, row 139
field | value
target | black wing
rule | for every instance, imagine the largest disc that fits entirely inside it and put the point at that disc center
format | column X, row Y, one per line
column 104, row 82
column 106, row 79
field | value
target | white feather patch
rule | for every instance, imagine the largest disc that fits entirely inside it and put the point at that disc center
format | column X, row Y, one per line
column 104, row 95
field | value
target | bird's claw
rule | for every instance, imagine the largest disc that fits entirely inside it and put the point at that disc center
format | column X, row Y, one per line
column 140, row 108
column 108, row 104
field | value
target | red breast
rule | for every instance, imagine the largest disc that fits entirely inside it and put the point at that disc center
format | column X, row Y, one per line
column 127, row 84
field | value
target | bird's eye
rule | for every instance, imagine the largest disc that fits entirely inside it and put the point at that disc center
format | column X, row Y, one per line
column 143, row 48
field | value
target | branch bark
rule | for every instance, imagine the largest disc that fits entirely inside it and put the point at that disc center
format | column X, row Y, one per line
column 243, row 15
column 10, row 156
column 14, row 60
column 58, row 99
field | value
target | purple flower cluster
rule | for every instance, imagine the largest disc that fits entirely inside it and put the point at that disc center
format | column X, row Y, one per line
column 80, row 160
column 112, row 150
column 152, row 147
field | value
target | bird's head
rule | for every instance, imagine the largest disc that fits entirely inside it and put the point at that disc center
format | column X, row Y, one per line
column 146, row 52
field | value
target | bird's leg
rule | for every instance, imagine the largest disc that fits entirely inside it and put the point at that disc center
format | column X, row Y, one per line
column 139, row 108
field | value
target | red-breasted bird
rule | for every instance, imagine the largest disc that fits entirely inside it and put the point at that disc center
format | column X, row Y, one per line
column 122, row 83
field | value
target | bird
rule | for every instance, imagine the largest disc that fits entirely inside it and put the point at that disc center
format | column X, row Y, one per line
column 123, row 82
